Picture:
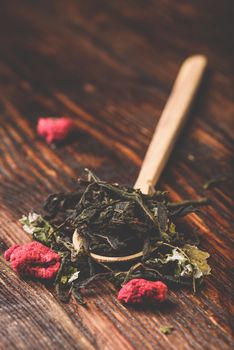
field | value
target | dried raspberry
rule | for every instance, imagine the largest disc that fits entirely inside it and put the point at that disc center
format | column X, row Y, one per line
column 138, row 291
column 54, row 129
column 9, row 251
column 34, row 260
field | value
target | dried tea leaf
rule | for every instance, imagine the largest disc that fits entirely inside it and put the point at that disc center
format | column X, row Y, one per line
column 162, row 217
column 198, row 259
column 63, row 292
column 78, row 296
column 185, row 207
column 166, row 329
column 187, row 262
column 215, row 181
column 38, row 227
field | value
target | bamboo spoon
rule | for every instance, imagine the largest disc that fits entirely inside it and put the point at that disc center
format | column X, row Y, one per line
column 167, row 130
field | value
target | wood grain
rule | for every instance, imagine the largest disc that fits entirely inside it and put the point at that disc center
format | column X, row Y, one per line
column 110, row 66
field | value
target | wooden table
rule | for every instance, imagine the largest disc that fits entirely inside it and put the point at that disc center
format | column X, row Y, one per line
column 110, row 66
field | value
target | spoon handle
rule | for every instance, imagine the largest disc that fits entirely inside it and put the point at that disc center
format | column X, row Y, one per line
column 171, row 122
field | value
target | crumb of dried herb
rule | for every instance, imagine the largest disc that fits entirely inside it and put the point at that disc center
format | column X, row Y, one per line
column 166, row 329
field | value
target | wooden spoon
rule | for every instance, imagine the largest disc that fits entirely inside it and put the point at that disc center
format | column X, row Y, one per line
column 167, row 130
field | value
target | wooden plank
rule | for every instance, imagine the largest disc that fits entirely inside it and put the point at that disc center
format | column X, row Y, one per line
column 110, row 66
column 31, row 317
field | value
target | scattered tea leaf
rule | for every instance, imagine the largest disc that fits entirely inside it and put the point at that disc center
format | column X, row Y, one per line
column 214, row 181
column 166, row 329
column 198, row 259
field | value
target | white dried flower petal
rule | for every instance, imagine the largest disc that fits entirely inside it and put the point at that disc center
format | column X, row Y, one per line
column 32, row 217
column 74, row 277
column 28, row 229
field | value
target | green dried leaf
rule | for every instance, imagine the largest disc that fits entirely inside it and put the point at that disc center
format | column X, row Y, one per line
column 166, row 329
column 63, row 292
column 38, row 227
column 64, row 279
column 215, row 181
column 172, row 229
column 187, row 262
column 162, row 217
column 69, row 274
column 78, row 296
column 198, row 259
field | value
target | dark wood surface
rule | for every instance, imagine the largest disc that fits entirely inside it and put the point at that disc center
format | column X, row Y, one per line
column 110, row 66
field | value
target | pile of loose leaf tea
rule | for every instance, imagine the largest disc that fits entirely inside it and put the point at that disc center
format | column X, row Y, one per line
column 114, row 220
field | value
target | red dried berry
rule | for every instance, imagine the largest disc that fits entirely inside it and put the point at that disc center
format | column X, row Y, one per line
column 54, row 129
column 9, row 251
column 34, row 260
column 138, row 291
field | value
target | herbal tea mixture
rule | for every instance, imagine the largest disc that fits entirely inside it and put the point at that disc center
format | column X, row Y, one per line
column 110, row 220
